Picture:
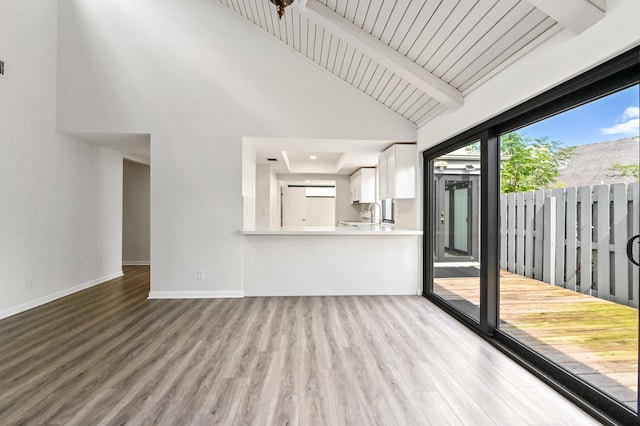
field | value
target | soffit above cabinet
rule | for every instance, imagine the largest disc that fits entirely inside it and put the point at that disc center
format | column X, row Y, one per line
column 417, row 58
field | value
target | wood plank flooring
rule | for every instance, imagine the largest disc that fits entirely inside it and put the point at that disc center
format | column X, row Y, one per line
column 109, row 356
column 595, row 339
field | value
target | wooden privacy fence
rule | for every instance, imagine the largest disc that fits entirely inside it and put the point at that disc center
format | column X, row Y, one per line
column 574, row 238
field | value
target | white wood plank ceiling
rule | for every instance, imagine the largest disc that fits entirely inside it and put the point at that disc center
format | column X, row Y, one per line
column 454, row 43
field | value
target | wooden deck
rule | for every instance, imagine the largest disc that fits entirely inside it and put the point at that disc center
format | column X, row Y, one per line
column 593, row 338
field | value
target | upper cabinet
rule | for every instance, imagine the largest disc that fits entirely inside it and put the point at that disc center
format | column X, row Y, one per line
column 397, row 168
column 363, row 186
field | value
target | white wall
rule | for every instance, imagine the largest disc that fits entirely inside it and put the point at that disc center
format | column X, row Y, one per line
column 198, row 78
column 405, row 215
column 321, row 211
column 263, row 196
column 248, row 186
column 109, row 170
column 344, row 209
column 274, row 199
column 135, row 214
column 61, row 197
column 562, row 57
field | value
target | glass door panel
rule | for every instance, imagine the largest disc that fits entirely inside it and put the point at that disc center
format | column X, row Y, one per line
column 456, row 228
column 569, row 204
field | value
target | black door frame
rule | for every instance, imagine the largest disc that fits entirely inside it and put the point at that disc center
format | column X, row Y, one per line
column 614, row 75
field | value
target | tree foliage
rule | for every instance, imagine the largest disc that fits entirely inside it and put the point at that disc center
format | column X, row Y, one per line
column 532, row 164
column 627, row 170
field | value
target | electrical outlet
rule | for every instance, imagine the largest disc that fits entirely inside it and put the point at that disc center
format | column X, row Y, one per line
column 200, row 275
column 28, row 283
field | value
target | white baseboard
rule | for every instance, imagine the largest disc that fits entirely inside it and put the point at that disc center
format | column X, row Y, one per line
column 229, row 294
column 57, row 295
column 136, row 263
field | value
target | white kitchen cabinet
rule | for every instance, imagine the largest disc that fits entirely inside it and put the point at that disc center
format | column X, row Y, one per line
column 363, row 186
column 397, row 168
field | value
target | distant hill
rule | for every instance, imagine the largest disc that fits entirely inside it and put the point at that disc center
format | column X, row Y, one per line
column 589, row 164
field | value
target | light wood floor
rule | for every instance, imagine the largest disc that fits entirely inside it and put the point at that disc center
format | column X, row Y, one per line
column 109, row 356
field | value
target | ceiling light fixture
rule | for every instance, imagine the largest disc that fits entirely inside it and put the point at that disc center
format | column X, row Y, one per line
column 281, row 5
column 313, row 157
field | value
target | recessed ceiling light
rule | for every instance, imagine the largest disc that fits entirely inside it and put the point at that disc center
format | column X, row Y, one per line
column 313, row 157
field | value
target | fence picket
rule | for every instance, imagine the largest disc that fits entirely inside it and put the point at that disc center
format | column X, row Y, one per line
column 549, row 241
column 503, row 231
column 529, row 225
column 520, row 233
column 572, row 250
column 620, row 236
column 584, row 231
column 601, row 238
column 511, row 239
column 560, row 217
column 537, row 243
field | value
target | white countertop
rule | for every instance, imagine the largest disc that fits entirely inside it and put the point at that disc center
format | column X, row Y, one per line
column 333, row 230
column 359, row 223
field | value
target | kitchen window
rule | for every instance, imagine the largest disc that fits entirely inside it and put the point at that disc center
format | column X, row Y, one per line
column 388, row 210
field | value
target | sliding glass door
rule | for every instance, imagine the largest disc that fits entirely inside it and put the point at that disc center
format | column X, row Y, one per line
column 567, row 288
column 530, row 220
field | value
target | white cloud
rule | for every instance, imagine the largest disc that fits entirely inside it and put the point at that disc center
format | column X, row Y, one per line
column 631, row 128
column 631, row 112
column 628, row 125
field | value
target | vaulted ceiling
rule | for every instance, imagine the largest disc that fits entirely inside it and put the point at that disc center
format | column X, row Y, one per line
column 418, row 58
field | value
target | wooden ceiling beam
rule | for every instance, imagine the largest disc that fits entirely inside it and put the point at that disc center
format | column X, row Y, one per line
column 383, row 54
column 575, row 15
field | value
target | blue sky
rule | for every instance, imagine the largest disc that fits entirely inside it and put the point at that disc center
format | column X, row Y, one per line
column 612, row 117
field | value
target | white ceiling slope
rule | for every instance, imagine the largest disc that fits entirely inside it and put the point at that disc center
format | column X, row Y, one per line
column 418, row 58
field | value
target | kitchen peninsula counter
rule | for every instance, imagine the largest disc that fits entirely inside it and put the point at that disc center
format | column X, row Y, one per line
column 333, row 230
column 331, row 261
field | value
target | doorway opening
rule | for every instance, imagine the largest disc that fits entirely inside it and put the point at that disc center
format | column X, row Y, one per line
column 308, row 203
column 136, row 197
